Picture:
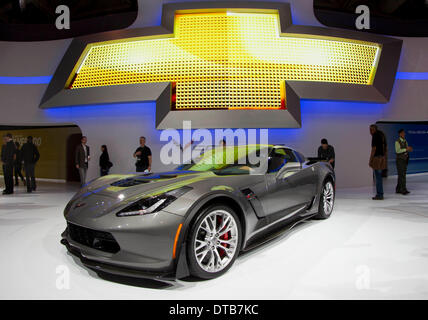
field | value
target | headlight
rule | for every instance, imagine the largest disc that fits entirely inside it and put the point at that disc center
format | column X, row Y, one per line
column 152, row 204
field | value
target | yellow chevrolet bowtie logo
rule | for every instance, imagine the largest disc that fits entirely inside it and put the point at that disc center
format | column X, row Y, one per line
column 227, row 60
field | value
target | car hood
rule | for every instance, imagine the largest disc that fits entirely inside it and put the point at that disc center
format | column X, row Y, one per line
column 114, row 191
column 140, row 184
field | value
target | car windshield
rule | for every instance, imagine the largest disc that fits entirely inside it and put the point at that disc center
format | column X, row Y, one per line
column 229, row 160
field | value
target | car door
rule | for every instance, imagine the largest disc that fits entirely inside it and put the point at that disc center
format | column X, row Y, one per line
column 305, row 183
column 281, row 198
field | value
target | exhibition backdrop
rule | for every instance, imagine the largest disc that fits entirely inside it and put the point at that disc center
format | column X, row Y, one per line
column 416, row 136
column 28, row 67
column 55, row 145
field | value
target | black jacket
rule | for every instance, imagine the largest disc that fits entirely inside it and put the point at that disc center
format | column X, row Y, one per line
column 29, row 153
column 80, row 159
column 104, row 160
column 327, row 154
column 8, row 153
column 18, row 158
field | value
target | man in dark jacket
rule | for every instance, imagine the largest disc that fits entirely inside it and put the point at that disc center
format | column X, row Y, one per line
column 7, row 158
column 17, row 165
column 82, row 159
column 30, row 155
column 326, row 152
column 402, row 150
column 378, row 160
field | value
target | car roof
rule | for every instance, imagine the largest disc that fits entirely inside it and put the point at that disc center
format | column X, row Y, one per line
column 274, row 146
column 281, row 146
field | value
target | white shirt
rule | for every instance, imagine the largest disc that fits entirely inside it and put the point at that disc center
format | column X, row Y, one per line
column 85, row 148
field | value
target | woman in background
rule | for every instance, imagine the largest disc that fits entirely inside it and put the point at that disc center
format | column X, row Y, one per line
column 17, row 165
column 105, row 163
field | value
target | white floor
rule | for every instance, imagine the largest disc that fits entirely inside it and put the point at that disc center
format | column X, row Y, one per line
column 366, row 250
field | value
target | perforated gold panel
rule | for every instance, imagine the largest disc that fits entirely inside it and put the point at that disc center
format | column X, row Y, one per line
column 228, row 60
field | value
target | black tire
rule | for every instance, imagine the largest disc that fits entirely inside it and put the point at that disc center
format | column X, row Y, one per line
column 195, row 269
column 322, row 212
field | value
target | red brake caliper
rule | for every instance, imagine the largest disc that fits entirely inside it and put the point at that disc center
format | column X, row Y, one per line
column 225, row 236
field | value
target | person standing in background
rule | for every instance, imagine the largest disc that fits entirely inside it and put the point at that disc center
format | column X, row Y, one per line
column 402, row 150
column 378, row 160
column 82, row 158
column 3, row 151
column 30, row 156
column 105, row 163
column 17, row 165
column 8, row 156
column 326, row 152
column 143, row 154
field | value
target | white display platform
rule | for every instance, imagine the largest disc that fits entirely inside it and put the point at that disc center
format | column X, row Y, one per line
column 366, row 250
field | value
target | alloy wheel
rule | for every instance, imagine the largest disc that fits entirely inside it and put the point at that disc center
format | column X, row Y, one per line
column 216, row 241
column 328, row 198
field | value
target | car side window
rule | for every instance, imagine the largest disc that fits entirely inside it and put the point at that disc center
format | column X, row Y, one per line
column 301, row 158
column 290, row 156
column 278, row 158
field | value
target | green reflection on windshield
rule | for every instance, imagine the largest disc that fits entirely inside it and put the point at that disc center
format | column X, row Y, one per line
column 220, row 158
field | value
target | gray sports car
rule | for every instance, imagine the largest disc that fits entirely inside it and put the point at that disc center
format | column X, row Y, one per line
column 197, row 219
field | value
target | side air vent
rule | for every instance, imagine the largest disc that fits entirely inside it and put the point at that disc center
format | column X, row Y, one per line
column 248, row 193
column 254, row 202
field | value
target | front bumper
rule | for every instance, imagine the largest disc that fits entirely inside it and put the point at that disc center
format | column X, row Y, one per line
column 98, row 266
column 145, row 245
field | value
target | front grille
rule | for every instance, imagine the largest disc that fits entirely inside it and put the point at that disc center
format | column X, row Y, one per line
column 99, row 240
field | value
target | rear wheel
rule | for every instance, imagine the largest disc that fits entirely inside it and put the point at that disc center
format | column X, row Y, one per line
column 326, row 204
column 214, row 242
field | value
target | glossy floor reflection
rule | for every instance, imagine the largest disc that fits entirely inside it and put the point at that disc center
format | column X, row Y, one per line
column 366, row 250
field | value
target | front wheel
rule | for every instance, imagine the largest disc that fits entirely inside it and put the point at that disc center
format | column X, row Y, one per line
column 214, row 242
column 327, row 198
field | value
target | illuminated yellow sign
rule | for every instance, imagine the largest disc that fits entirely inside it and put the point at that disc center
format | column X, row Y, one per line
column 227, row 60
